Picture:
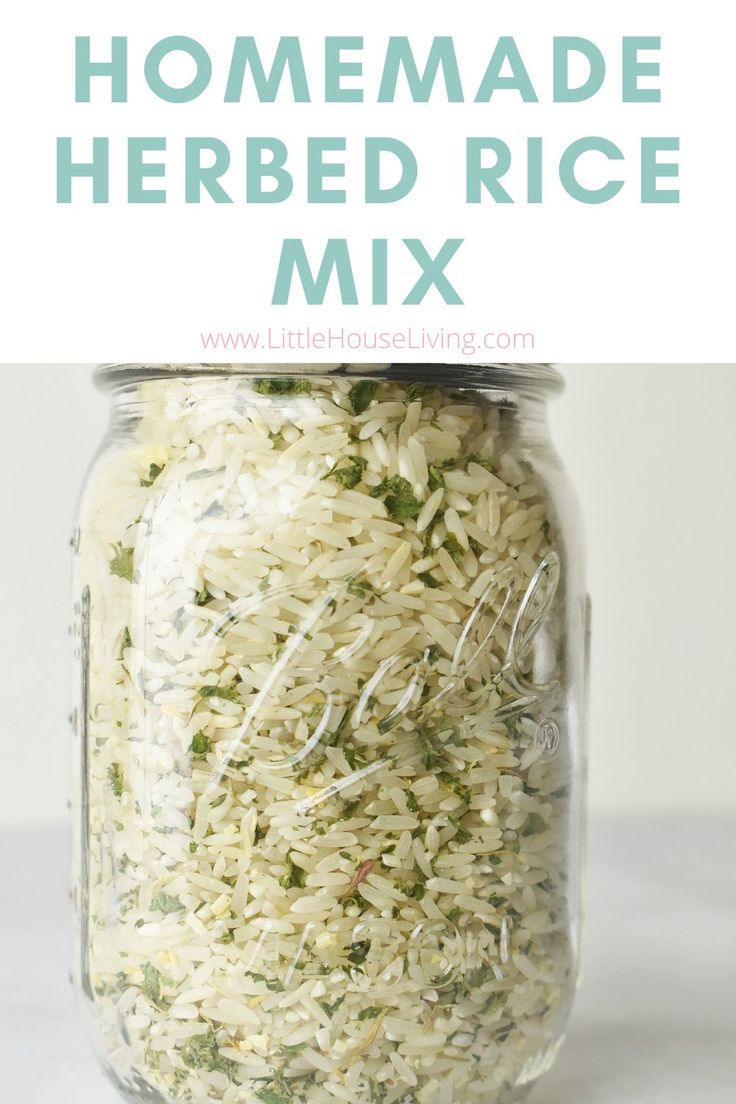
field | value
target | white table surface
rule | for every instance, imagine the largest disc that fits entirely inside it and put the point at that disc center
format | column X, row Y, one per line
column 654, row 1022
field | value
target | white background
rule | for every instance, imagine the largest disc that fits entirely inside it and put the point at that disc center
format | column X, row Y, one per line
column 619, row 281
column 653, row 454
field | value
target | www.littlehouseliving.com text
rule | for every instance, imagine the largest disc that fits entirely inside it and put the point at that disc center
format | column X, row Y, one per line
column 419, row 339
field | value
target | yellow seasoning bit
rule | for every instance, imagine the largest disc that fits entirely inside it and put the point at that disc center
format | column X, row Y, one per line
column 220, row 905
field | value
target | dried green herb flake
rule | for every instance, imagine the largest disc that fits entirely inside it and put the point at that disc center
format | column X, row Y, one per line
column 436, row 478
column 122, row 563
column 281, row 385
column 361, row 395
column 154, row 472
column 227, row 693
column 201, row 745
column 348, row 471
column 163, row 902
column 294, row 876
column 115, row 779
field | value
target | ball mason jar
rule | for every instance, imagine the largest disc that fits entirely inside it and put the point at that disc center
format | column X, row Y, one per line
column 330, row 625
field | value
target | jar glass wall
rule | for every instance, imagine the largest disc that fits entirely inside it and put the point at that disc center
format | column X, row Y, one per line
column 331, row 629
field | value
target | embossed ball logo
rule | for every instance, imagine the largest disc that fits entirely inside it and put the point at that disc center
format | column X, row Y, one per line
column 408, row 704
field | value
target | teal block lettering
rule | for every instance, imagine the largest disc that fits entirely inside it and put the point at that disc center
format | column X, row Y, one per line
column 246, row 56
column 433, row 271
column 568, row 163
column 177, row 44
column 374, row 148
column 198, row 176
column 293, row 260
column 319, row 170
column 478, row 176
column 519, row 80
column 380, row 271
column 336, row 68
column 257, row 170
column 98, row 169
column 139, row 170
column 652, row 169
column 399, row 56
column 562, row 47
column 116, row 69
column 633, row 68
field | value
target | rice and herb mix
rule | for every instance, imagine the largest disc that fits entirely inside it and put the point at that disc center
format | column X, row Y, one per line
column 325, row 838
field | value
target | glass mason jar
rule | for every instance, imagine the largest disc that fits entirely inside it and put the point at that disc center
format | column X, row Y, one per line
column 331, row 632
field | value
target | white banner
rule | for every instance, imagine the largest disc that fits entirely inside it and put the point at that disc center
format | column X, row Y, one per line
column 524, row 182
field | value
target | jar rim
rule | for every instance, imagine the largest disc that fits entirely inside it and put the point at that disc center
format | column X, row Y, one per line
column 525, row 379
